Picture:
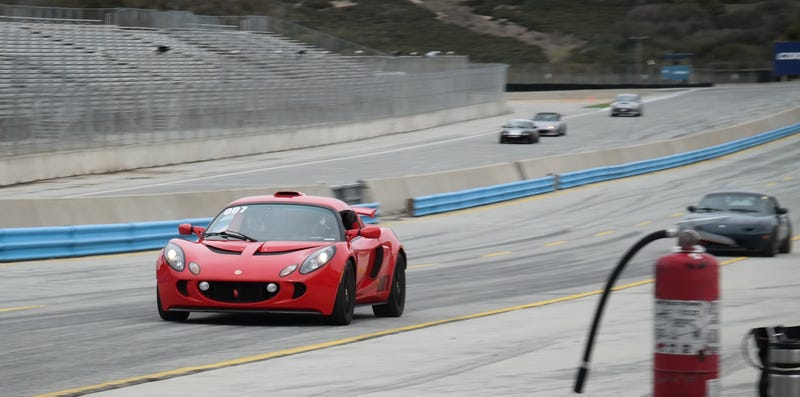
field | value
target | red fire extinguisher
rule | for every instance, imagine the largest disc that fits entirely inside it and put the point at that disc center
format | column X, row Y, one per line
column 686, row 337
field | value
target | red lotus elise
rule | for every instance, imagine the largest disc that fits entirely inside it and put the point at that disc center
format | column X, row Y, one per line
column 287, row 252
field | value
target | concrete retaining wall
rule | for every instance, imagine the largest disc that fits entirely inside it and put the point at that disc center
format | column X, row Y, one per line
column 124, row 209
column 394, row 193
column 29, row 168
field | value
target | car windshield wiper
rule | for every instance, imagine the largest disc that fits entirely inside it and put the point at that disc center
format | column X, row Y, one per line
column 708, row 209
column 231, row 233
column 742, row 210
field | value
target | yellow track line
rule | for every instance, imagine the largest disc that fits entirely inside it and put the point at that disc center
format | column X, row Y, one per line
column 11, row 309
column 303, row 349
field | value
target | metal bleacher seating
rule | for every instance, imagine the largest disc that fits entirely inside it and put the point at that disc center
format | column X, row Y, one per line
column 49, row 70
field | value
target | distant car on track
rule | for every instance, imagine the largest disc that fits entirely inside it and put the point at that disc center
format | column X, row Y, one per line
column 286, row 252
column 550, row 123
column 754, row 221
column 519, row 130
column 627, row 105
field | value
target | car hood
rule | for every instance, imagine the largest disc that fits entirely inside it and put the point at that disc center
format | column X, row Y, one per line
column 722, row 222
column 546, row 123
column 238, row 260
column 625, row 103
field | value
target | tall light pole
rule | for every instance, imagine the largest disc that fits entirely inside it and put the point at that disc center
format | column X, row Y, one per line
column 638, row 67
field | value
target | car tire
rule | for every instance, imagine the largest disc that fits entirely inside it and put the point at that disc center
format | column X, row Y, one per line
column 169, row 316
column 502, row 140
column 397, row 296
column 786, row 245
column 564, row 131
column 344, row 306
column 772, row 246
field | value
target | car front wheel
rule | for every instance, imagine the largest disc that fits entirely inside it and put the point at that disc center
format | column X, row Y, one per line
column 786, row 245
column 772, row 246
column 344, row 306
column 169, row 316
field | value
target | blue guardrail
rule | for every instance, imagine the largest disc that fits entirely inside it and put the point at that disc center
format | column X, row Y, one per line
column 18, row 244
column 451, row 201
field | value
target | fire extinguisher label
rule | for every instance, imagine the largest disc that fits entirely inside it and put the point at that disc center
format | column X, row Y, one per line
column 686, row 327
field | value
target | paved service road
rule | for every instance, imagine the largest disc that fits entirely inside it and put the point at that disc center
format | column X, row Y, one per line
column 92, row 321
column 669, row 114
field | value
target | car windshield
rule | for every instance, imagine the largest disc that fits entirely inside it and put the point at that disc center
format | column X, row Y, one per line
column 736, row 202
column 519, row 124
column 627, row 98
column 276, row 222
column 546, row 117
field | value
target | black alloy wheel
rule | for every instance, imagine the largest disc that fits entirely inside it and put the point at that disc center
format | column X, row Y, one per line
column 345, row 299
column 169, row 316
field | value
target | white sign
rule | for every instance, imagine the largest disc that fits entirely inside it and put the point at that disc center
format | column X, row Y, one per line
column 686, row 327
column 787, row 56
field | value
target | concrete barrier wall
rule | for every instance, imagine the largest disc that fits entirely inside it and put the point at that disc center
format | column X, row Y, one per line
column 20, row 213
column 394, row 193
column 29, row 168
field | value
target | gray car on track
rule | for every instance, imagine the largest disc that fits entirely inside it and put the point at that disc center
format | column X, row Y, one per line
column 550, row 123
column 627, row 105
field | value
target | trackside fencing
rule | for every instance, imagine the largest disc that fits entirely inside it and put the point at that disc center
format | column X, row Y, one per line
column 451, row 201
column 18, row 244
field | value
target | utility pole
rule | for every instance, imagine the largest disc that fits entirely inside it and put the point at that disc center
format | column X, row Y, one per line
column 638, row 67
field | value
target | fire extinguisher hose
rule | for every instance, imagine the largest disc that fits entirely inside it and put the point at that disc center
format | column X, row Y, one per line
column 583, row 372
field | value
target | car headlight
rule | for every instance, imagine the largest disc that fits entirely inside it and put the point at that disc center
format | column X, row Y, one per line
column 550, row 127
column 318, row 259
column 173, row 255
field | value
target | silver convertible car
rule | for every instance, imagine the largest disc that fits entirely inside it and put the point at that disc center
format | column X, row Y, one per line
column 628, row 105
column 550, row 123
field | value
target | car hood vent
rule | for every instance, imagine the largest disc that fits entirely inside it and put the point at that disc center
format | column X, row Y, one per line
column 222, row 251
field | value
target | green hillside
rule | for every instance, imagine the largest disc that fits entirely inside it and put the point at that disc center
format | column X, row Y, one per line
column 734, row 33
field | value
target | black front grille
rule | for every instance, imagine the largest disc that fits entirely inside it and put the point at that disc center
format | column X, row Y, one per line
column 240, row 292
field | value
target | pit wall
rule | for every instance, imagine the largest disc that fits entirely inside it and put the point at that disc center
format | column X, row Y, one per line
column 36, row 167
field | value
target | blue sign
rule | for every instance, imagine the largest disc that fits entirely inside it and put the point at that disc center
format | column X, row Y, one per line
column 676, row 72
column 786, row 58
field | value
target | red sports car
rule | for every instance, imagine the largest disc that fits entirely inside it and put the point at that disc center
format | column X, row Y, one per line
column 287, row 252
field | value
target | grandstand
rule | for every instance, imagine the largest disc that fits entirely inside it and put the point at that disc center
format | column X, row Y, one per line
column 77, row 79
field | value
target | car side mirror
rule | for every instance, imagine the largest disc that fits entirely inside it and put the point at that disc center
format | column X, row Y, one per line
column 371, row 232
column 781, row 210
column 186, row 229
column 691, row 208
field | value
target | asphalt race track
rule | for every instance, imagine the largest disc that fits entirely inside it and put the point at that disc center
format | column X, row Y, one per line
column 668, row 114
column 74, row 323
